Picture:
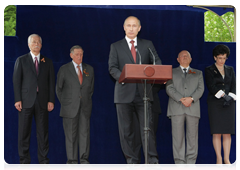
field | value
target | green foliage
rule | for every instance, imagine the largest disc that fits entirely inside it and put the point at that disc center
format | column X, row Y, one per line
column 10, row 20
column 215, row 29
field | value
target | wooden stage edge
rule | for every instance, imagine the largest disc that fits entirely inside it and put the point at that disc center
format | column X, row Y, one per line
column 163, row 168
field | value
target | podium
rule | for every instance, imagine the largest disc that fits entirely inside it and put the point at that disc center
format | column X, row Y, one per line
column 147, row 74
column 135, row 73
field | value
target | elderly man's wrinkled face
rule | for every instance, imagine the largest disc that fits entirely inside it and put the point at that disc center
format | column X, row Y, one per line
column 77, row 56
column 35, row 44
column 184, row 58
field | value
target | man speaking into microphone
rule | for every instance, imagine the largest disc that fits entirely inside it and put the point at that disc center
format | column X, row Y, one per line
column 129, row 97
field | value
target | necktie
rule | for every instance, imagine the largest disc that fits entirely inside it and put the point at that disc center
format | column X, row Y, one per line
column 80, row 77
column 36, row 67
column 133, row 51
column 185, row 72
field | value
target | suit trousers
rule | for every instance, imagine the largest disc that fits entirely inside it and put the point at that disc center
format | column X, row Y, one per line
column 155, row 117
column 128, row 139
column 180, row 154
column 77, row 134
column 24, row 133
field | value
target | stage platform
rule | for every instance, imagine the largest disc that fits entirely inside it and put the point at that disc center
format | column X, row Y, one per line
column 163, row 168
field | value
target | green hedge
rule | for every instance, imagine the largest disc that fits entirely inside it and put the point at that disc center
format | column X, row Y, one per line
column 10, row 20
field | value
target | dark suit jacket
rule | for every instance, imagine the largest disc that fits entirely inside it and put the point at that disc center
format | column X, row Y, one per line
column 71, row 94
column 120, row 55
column 26, row 81
column 215, row 82
column 156, row 107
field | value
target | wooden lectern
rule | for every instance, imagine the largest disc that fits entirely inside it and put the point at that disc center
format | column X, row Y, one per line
column 135, row 73
column 144, row 73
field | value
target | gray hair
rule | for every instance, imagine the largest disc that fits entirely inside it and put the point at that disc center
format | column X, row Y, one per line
column 75, row 47
column 33, row 35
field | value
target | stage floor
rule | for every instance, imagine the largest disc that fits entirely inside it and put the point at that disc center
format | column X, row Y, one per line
column 163, row 168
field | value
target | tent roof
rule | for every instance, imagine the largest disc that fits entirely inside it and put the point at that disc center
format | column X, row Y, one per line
column 219, row 9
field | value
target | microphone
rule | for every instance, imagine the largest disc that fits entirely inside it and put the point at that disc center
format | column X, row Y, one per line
column 152, row 55
column 140, row 62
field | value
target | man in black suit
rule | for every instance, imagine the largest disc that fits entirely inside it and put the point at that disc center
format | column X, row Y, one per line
column 129, row 97
column 34, row 82
column 75, row 84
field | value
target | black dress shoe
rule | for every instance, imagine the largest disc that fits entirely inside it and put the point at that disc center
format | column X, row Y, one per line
column 72, row 162
column 45, row 165
column 23, row 166
column 156, row 166
column 130, row 165
column 87, row 166
column 71, row 166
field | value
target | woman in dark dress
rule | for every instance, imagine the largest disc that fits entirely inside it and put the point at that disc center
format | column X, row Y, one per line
column 221, row 83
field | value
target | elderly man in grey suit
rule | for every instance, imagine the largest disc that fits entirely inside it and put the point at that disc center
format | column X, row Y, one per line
column 184, row 91
column 75, row 83
column 129, row 97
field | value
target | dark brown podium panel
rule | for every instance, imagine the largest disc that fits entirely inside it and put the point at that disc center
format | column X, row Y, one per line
column 136, row 73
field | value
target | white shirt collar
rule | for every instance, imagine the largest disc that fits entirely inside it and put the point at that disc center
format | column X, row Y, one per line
column 75, row 66
column 128, row 41
column 183, row 68
column 33, row 56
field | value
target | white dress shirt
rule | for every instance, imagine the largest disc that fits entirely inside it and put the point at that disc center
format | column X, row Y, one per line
column 129, row 44
column 183, row 68
column 33, row 56
column 75, row 66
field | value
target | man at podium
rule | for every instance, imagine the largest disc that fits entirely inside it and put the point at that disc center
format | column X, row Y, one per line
column 129, row 96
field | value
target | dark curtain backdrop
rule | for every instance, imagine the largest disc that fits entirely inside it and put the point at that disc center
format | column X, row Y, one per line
column 95, row 29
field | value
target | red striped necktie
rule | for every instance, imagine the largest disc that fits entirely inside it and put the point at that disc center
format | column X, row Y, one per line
column 80, row 77
column 133, row 51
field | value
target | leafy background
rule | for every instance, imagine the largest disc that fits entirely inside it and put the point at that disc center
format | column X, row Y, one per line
column 215, row 29
column 10, row 20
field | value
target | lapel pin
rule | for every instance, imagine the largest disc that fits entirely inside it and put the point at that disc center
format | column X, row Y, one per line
column 43, row 60
column 85, row 72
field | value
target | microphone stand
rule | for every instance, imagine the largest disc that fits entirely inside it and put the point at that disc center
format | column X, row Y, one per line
column 146, row 121
column 152, row 55
column 146, row 117
column 140, row 57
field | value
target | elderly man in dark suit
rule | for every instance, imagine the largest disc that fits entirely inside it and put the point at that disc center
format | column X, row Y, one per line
column 129, row 97
column 75, row 84
column 185, row 90
column 34, row 82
